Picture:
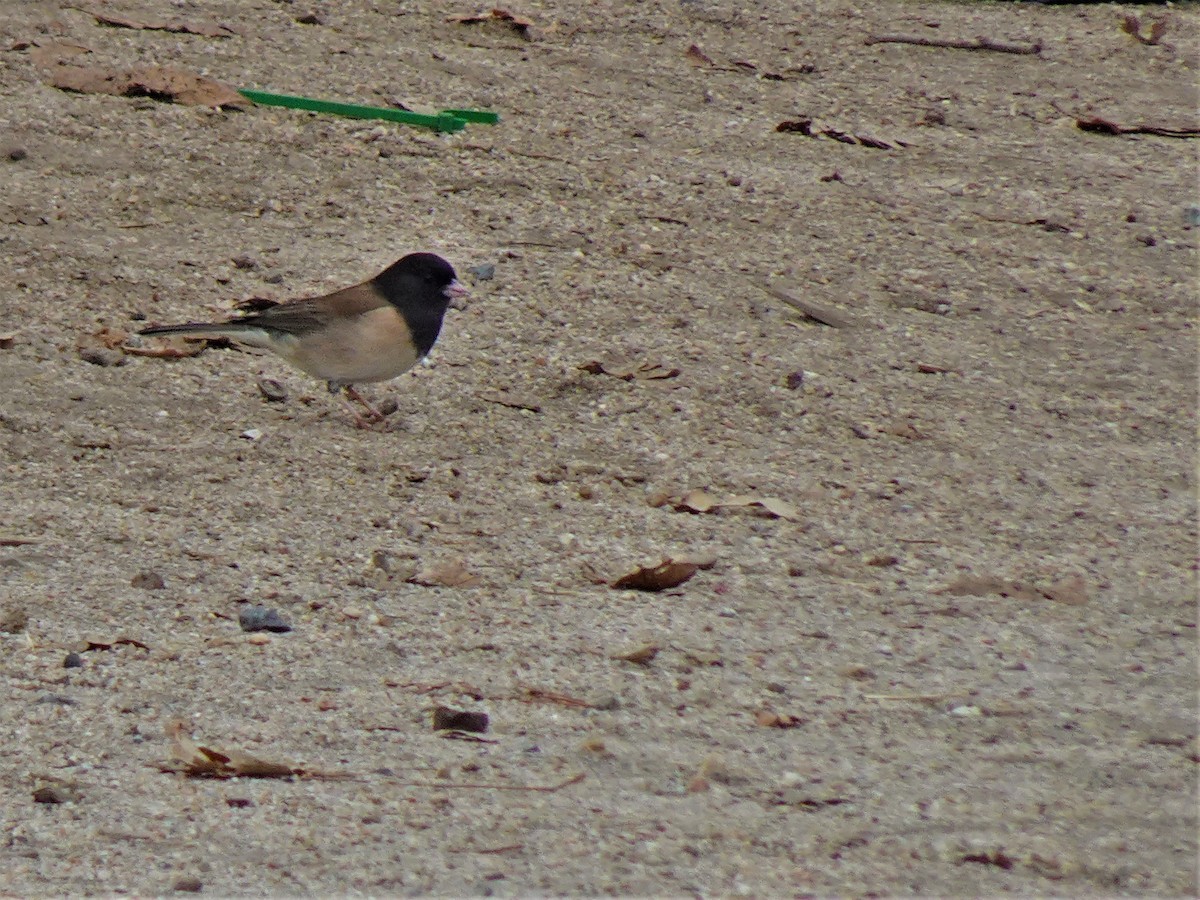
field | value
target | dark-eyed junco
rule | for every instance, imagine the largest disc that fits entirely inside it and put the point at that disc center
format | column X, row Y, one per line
column 372, row 331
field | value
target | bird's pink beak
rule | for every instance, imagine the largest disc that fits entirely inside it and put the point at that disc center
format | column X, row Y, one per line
column 456, row 293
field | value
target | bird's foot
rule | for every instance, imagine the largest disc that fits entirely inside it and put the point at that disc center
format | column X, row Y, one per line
column 370, row 417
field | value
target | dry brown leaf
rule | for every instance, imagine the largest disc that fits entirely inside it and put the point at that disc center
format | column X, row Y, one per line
column 642, row 655
column 876, row 143
column 982, row 585
column 857, row 671
column 246, row 766
column 189, row 758
column 158, row 82
column 700, row 501
column 665, row 575
column 451, row 573
column 49, row 53
column 631, row 371
column 798, row 126
column 496, row 17
column 1071, row 591
column 697, row 501
column 204, row 29
column 903, row 430
column 768, row 719
column 651, row 372
column 780, row 509
column 806, row 128
column 91, row 645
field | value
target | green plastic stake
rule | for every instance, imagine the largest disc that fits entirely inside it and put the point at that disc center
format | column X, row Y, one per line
column 479, row 116
column 450, row 120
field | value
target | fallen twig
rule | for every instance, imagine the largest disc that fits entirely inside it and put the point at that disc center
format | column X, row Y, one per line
column 980, row 43
column 1101, row 125
column 912, row 698
column 1132, row 26
column 511, row 403
column 554, row 697
column 816, row 311
column 509, row 848
column 1105, row 126
column 16, row 540
column 536, row 788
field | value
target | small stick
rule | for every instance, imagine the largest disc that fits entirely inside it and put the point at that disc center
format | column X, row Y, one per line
column 537, row 788
column 510, row 403
column 553, row 697
column 980, row 43
column 910, row 698
column 1104, row 126
column 510, row 848
column 822, row 314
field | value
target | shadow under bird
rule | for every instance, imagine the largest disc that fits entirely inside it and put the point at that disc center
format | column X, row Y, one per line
column 373, row 331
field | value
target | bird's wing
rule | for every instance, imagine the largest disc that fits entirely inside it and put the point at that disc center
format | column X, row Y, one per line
column 304, row 316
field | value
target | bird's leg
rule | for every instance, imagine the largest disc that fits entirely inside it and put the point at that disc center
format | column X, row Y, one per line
column 373, row 415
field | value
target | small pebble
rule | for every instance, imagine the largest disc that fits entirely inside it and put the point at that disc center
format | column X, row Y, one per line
column 1191, row 215
column 13, row 619
column 262, row 618
column 484, row 272
column 245, row 262
column 445, row 718
column 102, row 356
column 73, row 661
column 16, row 154
column 188, row 885
column 387, row 406
column 252, row 434
column 148, row 581
column 272, row 390
column 966, row 711
column 50, row 794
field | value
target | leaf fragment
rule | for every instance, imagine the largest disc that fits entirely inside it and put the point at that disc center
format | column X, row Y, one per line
column 664, row 576
column 167, row 83
column 451, row 573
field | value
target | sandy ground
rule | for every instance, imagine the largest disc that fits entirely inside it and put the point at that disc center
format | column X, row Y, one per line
column 963, row 662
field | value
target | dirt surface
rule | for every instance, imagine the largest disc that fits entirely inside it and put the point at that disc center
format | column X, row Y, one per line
column 963, row 661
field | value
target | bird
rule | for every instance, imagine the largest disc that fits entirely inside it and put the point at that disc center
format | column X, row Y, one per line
column 372, row 331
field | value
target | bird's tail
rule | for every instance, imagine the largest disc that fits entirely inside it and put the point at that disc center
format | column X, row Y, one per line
column 233, row 330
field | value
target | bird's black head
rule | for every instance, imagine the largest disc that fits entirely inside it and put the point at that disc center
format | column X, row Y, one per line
column 421, row 286
column 419, row 278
